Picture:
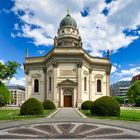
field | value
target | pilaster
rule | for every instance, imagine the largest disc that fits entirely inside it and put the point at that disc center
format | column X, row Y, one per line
column 45, row 83
column 107, row 84
column 79, row 97
column 55, row 98
column 26, row 85
column 90, row 85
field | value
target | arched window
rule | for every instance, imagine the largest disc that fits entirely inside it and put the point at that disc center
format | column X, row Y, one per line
column 36, row 85
column 85, row 84
column 99, row 88
column 50, row 83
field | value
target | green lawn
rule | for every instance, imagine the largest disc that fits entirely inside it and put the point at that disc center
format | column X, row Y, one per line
column 129, row 115
column 15, row 114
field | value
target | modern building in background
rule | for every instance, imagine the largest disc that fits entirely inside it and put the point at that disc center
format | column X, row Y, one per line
column 120, row 88
column 67, row 75
column 135, row 78
column 17, row 94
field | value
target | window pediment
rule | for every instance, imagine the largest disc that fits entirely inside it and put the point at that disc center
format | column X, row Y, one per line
column 67, row 82
column 36, row 75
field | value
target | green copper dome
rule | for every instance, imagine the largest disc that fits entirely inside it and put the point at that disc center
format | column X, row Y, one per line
column 68, row 21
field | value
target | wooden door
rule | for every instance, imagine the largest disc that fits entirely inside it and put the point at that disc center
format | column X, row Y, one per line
column 67, row 101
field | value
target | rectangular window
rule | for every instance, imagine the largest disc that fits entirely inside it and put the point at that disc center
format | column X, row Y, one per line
column 85, row 84
column 50, row 83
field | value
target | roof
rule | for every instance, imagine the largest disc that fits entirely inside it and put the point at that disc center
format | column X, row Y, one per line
column 136, row 77
column 68, row 21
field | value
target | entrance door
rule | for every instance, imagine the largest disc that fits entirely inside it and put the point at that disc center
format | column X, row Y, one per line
column 67, row 101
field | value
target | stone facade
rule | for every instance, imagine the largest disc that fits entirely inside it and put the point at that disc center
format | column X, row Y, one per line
column 67, row 75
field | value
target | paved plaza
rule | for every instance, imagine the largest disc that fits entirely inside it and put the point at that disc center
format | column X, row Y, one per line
column 68, row 123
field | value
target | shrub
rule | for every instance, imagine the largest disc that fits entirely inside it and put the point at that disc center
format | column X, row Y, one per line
column 137, row 101
column 86, row 105
column 48, row 105
column 105, row 106
column 31, row 107
column 119, row 99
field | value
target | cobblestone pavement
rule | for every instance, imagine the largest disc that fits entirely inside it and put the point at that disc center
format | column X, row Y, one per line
column 67, row 123
column 69, row 130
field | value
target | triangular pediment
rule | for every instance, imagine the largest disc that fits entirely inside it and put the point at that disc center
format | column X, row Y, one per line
column 67, row 82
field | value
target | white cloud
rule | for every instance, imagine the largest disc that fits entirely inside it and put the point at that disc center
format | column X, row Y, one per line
column 113, row 69
column 126, row 79
column 41, row 51
column 98, row 32
column 2, row 61
column 126, row 74
column 18, row 81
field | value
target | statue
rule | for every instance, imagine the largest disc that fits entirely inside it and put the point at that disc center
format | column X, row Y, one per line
column 55, row 41
column 26, row 52
column 108, row 53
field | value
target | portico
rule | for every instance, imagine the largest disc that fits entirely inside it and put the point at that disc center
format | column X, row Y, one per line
column 67, row 93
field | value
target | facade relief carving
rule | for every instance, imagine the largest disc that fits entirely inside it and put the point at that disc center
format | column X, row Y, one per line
column 98, row 76
column 67, row 73
column 85, row 73
column 49, row 72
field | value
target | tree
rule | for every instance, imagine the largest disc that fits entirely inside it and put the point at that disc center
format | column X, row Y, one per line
column 134, row 92
column 5, row 95
column 137, row 101
column 8, row 69
column 119, row 99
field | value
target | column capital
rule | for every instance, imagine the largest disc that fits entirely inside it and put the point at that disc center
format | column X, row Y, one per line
column 26, row 72
column 79, row 64
column 44, row 70
column 55, row 64
column 90, row 70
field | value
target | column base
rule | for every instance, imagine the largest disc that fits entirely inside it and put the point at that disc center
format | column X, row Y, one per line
column 79, row 103
column 56, row 103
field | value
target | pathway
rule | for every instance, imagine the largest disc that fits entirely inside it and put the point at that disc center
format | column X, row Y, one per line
column 66, row 113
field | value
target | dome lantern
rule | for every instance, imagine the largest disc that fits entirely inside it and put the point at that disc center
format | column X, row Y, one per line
column 68, row 21
column 68, row 34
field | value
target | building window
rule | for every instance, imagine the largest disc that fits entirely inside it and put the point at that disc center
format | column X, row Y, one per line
column 85, row 84
column 36, row 85
column 99, row 85
column 50, row 83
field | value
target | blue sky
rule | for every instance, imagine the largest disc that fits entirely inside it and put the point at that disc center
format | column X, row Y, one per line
column 109, row 24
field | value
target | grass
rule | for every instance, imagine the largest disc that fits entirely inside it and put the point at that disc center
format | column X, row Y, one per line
column 128, row 115
column 15, row 114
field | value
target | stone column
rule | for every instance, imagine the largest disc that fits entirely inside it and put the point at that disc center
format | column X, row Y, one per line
column 90, row 85
column 26, row 85
column 79, row 79
column 55, row 99
column 45, row 83
column 74, row 99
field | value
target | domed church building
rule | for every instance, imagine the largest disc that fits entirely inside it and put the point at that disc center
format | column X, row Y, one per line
column 67, row 75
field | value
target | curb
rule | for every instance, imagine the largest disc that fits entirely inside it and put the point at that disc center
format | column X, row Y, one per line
column 51, row 115
column 82, row 115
